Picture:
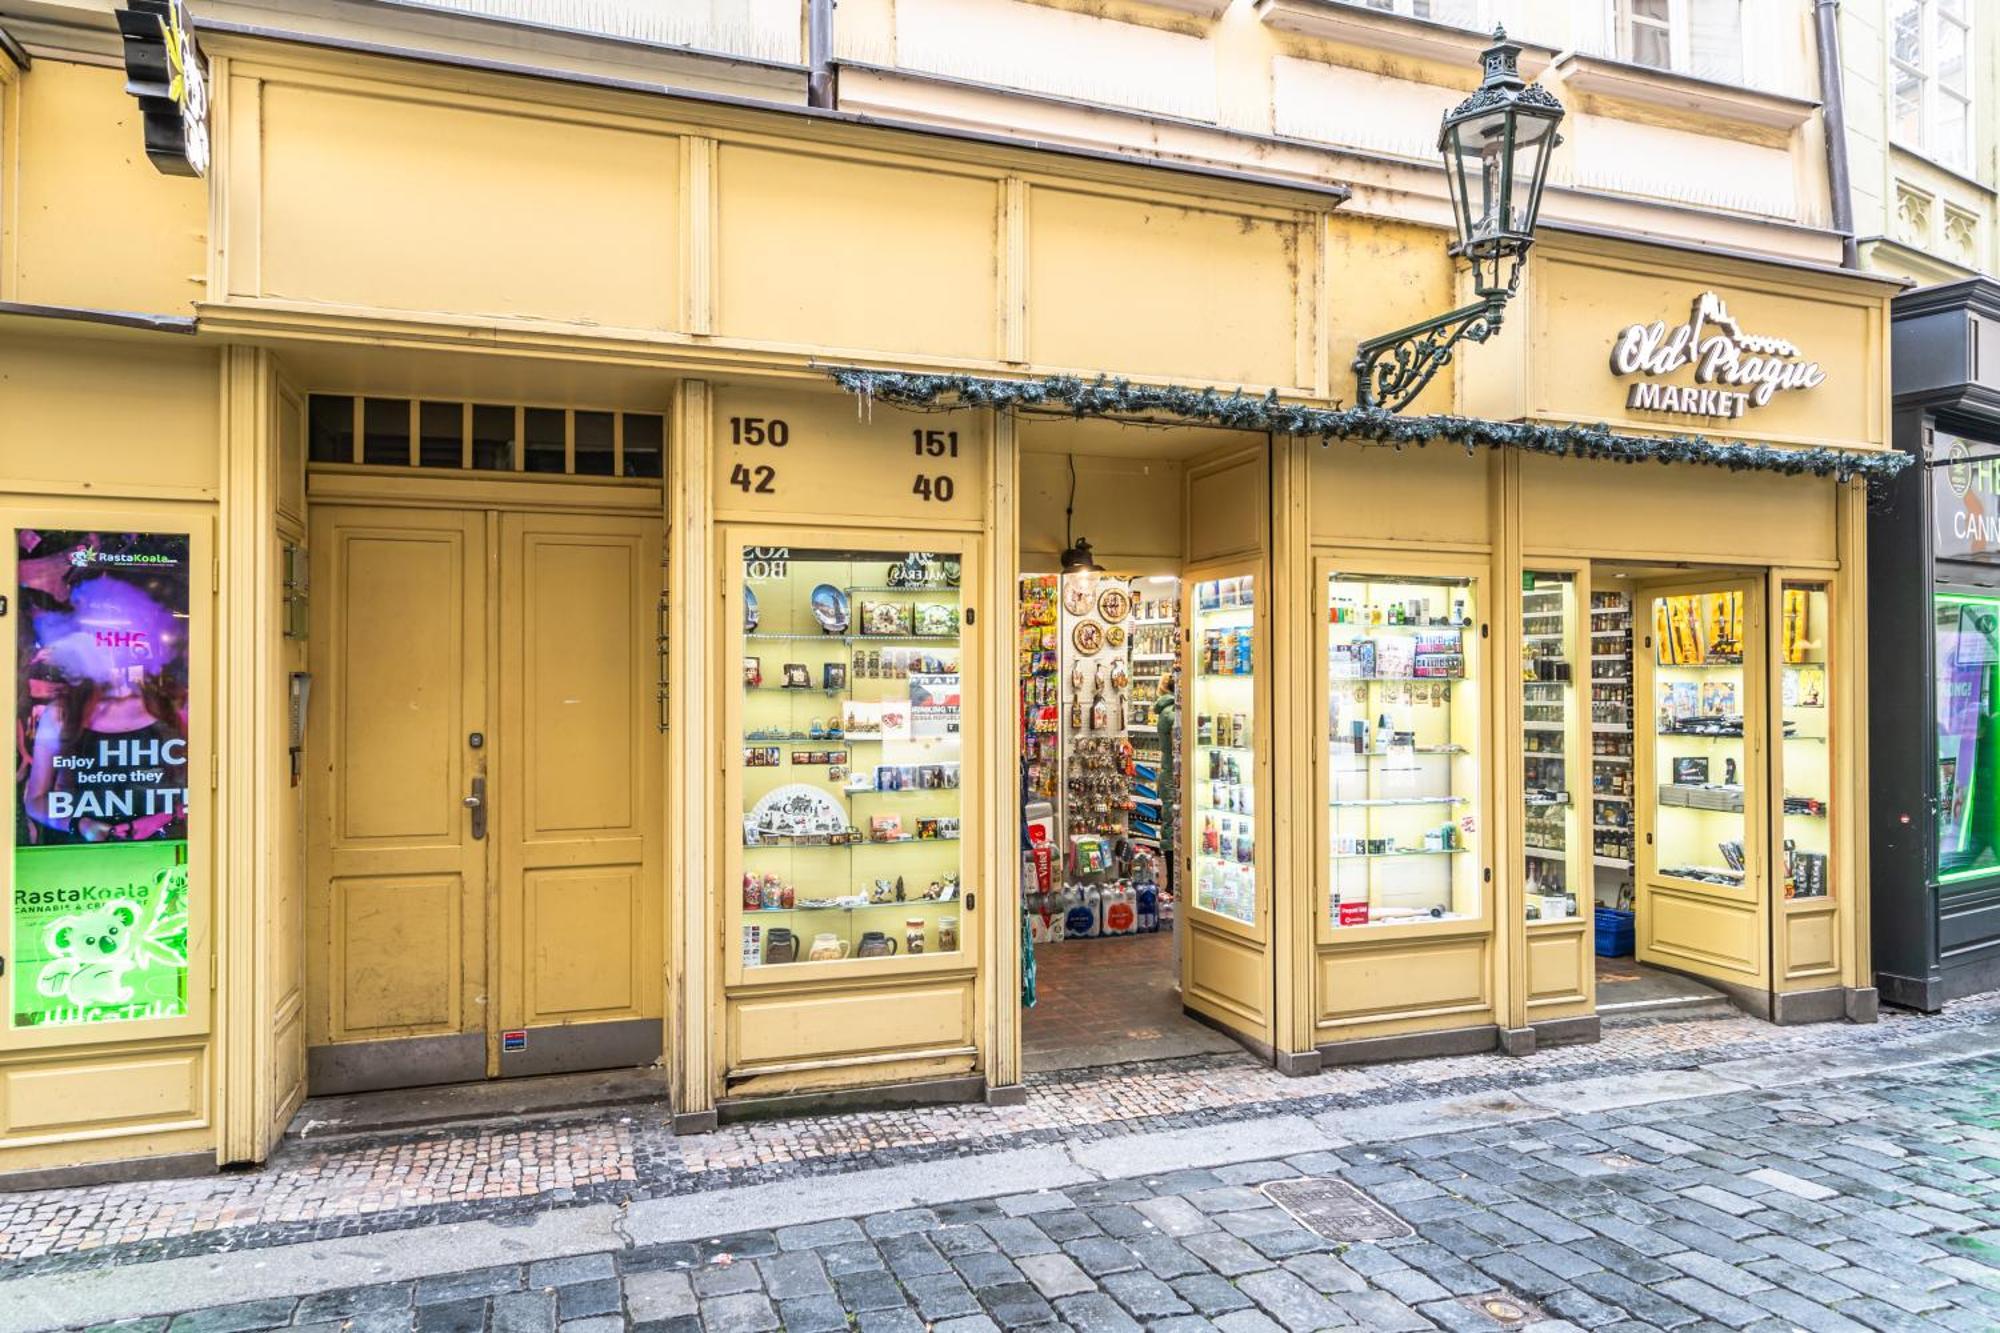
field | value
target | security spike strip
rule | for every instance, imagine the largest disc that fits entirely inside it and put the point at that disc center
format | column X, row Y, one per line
column 1107, row 397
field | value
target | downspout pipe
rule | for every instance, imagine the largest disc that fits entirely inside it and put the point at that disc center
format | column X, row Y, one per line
column 819, row 54
column 1833, row 116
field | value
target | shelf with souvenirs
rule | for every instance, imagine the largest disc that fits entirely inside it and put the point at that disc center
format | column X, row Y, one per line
column 1611, row 737
column 1550, row 820
column 1402, row 720
column 1699, row 757
column 1805, row 757
column 1221, row 820
column 851, row 761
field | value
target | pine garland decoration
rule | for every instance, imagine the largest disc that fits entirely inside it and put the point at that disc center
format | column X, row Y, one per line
column 1107, row 397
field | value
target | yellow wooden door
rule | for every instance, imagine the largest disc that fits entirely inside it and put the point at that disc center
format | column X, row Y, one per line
column 576, row 797
column 397, row 883
column 484, row 893
column 1700, row 715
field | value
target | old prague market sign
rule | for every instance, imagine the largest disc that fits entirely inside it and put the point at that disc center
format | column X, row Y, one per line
column 1734, row 371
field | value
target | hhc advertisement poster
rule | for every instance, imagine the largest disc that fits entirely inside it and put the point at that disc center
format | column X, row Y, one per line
column 100, row 893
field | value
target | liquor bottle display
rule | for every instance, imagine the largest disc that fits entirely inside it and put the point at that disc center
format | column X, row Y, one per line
column 1402, row 726
column 851, row 759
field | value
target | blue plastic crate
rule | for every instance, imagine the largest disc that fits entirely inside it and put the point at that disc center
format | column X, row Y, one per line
column 1614, row 933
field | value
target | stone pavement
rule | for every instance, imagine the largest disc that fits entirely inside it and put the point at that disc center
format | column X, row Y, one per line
column 1864, row 1202
column 325, row 1186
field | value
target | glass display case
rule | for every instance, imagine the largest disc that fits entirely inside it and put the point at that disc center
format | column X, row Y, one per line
column 1402, row 732
column 1968, row 758
column 1807, row 771
column 1222, row 787
column 851, row 756
column 1548, row 719
column 1699, row 758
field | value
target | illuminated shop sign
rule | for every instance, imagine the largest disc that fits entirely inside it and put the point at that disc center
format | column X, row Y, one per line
column 100, row 892
column 164, row 69
column 1965, row 498
column 1734, row 371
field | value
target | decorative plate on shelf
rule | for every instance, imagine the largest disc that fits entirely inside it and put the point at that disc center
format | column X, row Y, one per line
column 1087, row 637
column 830, row 608
column 1113, row 604
column 797, row 810
column 1076, row 597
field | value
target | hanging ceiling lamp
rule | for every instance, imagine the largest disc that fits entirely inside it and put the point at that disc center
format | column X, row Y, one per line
column 1077, row 562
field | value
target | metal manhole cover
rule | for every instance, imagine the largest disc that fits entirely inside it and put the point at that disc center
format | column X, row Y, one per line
column 1504, row 1308
column 1335, row 1209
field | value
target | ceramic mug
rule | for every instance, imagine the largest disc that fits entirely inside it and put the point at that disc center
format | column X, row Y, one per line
column 781, row 946
column 947, row 934
column 913, row 935
column 875, row 944
column 828, row 948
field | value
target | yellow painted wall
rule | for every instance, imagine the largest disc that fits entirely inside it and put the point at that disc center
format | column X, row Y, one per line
column 89, row 220
column 138, row 415
column 462, row 209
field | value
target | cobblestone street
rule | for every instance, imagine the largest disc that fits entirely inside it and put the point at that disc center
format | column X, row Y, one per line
column 1859, row 1204
column 1696, row 1174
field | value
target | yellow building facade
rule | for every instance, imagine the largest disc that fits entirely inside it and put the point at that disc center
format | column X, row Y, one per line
column 445, row 414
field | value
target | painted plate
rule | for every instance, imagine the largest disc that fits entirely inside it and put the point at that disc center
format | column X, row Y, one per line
column 750, row 615
column 1087, row 637
column 1113, row 604
column 1076, row 597
column 1115, row 636
column 798, row 809
column 830, row 608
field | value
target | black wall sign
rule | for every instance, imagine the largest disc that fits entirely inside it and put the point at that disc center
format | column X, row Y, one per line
column 164, row 69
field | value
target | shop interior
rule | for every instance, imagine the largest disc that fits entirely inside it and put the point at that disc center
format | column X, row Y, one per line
column 1107, row 720
column 1695, row 688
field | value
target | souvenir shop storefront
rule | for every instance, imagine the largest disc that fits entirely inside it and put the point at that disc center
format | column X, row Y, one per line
column 607, row 681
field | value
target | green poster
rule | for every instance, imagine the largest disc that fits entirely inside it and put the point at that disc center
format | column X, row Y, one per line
column 100, row 933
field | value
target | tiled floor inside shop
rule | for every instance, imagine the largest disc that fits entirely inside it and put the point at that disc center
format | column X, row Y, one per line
column 1110, row 1001
column 1627, row 984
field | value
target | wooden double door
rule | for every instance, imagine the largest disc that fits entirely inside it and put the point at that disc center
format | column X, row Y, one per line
column 483, row 763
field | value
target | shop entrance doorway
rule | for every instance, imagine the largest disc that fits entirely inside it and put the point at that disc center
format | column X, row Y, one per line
column 1141, row 697
column 1709, row 772
column 1701, row 877
column 483, row 889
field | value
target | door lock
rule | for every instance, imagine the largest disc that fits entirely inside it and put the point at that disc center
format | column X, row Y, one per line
column 476, row 803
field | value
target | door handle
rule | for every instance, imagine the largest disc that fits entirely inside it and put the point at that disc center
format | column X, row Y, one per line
column 477, row 804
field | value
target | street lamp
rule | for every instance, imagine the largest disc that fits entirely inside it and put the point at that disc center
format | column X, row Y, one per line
column 1496, row 146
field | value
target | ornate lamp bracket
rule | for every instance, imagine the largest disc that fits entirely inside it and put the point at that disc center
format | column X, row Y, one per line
column 1390, row 371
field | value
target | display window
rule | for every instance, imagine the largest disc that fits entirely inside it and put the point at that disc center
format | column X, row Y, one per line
column 1403, row 727
column 851, row 770
column 1222, row 807
column 1804, row 742
column 1699, row 754
column 1967, row 657
column 1550, row 822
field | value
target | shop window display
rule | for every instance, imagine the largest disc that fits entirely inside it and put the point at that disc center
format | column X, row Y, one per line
column 1222, row 815
column 1968, row 758
column 1403, row 721
column 852, row 752
column 1698, row 751
column 1548, row 702
column 1807, row 771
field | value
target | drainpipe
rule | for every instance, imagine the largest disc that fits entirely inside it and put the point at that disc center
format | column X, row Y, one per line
column 1833, row 115
column 819, row 53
